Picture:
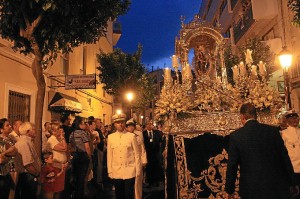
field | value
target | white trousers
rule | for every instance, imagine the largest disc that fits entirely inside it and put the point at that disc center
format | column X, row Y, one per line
column 138, row 187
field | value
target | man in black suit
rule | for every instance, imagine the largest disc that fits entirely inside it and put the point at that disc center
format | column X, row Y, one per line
column 152, row 141
column 266, row 171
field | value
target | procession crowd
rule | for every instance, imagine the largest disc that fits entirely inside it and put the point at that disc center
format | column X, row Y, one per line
column 263, row 160
column 79, row 154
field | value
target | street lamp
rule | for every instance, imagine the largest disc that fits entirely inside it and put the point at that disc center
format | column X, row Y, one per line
column 285, row 58
column 129, row 97
column 119, row 111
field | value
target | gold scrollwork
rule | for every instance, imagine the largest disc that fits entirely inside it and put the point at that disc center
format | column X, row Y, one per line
column 214, row 177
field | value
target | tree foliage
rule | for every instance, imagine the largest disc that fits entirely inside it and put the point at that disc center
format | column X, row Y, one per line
column 230, row 60
column 260, row 52
column 60, row 25
column 121, row 72
column 294, row 5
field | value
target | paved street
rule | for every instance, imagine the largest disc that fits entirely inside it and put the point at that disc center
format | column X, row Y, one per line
column 108, row 193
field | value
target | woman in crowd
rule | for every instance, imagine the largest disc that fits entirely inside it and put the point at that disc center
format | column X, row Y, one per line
column 79, row 141
column 57, row 144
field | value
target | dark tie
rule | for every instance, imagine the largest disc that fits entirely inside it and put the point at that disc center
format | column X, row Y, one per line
column 150, row 134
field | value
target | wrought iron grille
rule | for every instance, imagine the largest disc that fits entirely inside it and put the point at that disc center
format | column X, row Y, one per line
column 18, row 106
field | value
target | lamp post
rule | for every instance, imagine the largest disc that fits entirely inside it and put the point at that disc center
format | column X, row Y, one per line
column 285, row 58
column 129, row 97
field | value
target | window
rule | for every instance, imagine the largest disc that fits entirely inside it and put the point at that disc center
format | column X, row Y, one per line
column 223, row 6
column 64, row 68
column 18, row 106
column 209, row 4
column 215, row 22
column 227, row 33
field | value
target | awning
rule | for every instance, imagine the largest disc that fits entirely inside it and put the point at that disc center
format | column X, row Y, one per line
column 62, row 103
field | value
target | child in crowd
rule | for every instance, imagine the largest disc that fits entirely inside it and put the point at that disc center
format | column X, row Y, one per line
column 48, row 176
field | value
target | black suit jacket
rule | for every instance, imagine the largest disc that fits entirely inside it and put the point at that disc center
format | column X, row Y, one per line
column 153, row 148
column 266, row 171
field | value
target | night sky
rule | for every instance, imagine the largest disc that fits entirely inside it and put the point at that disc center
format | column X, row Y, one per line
column 155, row 24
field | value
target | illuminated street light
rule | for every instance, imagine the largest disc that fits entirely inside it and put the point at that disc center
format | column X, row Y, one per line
column 285, row 58
column 119, row 111
column 129, row 97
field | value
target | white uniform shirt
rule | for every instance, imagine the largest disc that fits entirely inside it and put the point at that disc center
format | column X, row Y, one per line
column 123, row 156
column 291, row 138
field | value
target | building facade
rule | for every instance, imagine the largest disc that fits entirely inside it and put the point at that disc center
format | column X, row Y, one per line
column 158, row 81
column 18, row 87
column 269, row 20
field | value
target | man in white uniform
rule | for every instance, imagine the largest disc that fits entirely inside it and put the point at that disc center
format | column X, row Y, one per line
column 123, row 158
column 291, row 138
column 138, row 187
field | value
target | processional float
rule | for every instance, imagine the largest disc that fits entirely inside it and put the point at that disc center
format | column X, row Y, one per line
column 200, row 107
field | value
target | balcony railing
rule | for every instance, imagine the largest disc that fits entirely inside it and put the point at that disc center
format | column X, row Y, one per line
column 243, row 26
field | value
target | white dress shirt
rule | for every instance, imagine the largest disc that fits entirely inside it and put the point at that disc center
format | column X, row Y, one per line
column 291, row 140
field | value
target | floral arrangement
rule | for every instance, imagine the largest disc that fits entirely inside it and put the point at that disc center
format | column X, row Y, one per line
column 211, row 94
column 173, row 99
column 264, row 98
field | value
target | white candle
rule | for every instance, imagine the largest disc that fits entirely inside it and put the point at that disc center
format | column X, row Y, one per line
column 262, row 69
column 167, row 75
column 253, row 71
column 188, row 71
column 236, row 73
column 249, row 59
column 174, row 61
column 243, row 70
column 219, row 80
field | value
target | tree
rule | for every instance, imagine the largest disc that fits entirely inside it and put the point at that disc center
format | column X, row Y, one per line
column 121, row 72
column 294, row 5
column 230, row 60
column 48, row 27
column 260, row 52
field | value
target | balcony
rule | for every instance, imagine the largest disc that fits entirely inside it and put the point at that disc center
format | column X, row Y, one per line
column 243, row 26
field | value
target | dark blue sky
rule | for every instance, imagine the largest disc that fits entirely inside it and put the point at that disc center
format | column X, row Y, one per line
column 155, row 24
